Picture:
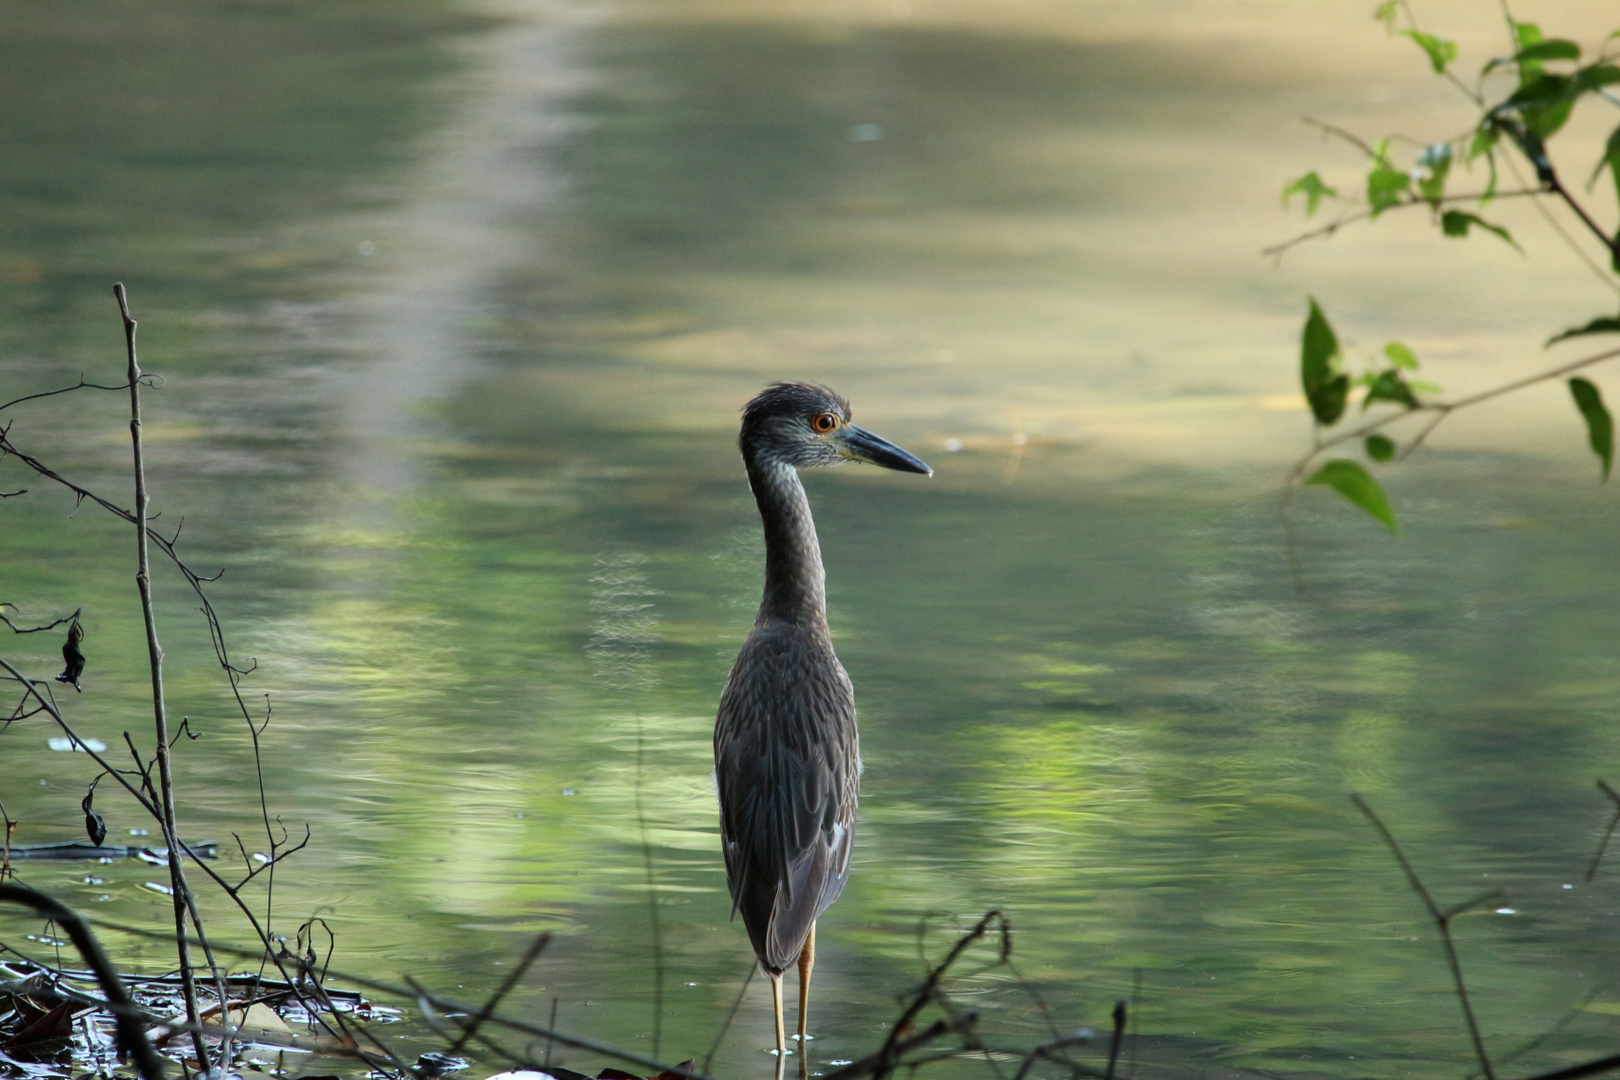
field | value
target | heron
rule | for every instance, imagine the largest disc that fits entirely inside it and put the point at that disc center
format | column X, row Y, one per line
column 786, row 751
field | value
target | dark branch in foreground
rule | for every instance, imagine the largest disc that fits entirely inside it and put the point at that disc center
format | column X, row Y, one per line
column 1442, row 921
column 131, row 1029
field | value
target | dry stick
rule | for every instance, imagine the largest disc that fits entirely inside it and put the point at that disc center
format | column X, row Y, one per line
column 217, row 635
column 31, row 688
column 1442, row 920
column 154, row 653
column 447, row 1005
column 196, row 581
column 15, row 629
column 535, row 949
column 217, row 638
column 1614, row 796
column 889, row 1053
column 80, row 385
column 131, row 1029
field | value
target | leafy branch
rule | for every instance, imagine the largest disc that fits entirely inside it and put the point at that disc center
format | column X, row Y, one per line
column 1514, row 124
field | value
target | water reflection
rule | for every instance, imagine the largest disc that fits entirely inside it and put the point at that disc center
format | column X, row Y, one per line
column 1089, row 695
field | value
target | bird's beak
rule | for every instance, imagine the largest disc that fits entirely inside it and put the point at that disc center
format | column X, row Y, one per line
column 858, row 444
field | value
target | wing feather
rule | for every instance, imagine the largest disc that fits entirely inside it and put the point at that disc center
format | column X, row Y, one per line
column 787, row 766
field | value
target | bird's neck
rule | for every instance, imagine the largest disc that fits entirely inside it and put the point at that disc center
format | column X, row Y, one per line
column 795, row 583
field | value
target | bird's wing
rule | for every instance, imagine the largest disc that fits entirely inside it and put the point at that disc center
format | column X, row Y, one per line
column 787, row 764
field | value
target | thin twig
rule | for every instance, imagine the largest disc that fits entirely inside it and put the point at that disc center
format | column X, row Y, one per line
column 1350, row 137
column 80, row 385
column 1614, row 797
column 233, row 674
column 891, row 1050
column 15, row 629
column 512, row 978
column 1442, row 921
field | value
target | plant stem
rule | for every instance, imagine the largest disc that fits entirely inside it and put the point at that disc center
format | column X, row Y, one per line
column 154, row 652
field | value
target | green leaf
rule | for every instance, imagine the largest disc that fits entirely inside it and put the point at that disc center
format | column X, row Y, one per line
column 1441, row 52
column 1484, row 140
column 1324, row 387
column 1385, row 186
column 1457, row 222
column 1610, row 158
column 1380, row 447
column 1556, row 49
column 1310, row 185
column 1385, row 13
column 1599, row 425
column 1389, row 386
column 1436, row 162
column 1357, row 485
column 1528, row 35
column 1385, row 183
column 1603, row 324
column 1595, row 77
column 1401, row 356
column 1544, row 102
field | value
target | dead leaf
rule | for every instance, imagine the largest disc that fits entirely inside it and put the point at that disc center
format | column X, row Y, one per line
column 256, row 1017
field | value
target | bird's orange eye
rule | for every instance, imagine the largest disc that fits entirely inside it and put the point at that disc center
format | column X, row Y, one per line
column 824, row 422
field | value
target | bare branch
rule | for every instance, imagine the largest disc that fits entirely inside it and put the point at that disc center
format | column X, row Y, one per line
column 1442, row 922
column 512, row 978
column 1597, row 857
column 15, row 629
column 80, row 385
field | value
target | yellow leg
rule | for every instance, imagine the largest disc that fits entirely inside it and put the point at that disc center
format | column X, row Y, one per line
column 807, row 961
column 776, row 1000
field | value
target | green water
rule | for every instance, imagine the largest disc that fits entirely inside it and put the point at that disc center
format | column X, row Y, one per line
column 489, row 542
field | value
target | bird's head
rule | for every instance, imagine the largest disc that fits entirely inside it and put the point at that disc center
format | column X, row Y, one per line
column 807, row 426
